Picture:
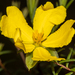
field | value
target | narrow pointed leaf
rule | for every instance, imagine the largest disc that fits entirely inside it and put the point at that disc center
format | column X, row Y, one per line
column 68, row 60
column 70, row 73
column 5, row 52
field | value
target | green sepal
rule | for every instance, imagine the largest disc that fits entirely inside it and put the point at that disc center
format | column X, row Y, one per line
column 53, row 52
column 29, row 62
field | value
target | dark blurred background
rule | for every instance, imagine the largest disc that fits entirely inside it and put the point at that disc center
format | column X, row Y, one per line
column 17, row 67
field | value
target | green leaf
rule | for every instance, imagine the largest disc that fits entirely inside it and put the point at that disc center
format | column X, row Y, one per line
column 68, row 60
column 73, row 69
column 61, row 50
column 70, row 73
column 5, row 52
column 69, row 3
column 53, row 52
column 29, row 62
column 69, row 56
column 32, row 5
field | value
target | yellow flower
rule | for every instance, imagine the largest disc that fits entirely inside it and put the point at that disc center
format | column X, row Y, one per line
column 15, row 26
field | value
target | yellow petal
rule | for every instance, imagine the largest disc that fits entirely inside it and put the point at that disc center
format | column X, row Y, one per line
column 13, row 20
column 44, row 20
column 41, row 54
column 48, row 5
column 0, row 25
column 25, row 46
column 58, row 15
column 18, row 40
column 29, row 47
column 17, row 34
column 62, row 36
column 20, row 45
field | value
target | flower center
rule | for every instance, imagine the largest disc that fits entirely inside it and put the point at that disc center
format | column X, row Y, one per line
column 37, row 37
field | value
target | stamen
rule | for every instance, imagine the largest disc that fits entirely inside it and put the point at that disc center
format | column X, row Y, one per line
column 37, row 37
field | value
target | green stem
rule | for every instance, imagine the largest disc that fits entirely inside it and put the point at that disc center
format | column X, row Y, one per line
column 52, row 67
column 69, row 3
column 32, row 5
column 69, row 56
column 53, row 71
column 63, row 2
column 61, row 50
column 68, row 60
column 58, row 71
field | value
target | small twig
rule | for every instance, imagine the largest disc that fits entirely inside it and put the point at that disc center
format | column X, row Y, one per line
column 63, row 66
column 4, row 68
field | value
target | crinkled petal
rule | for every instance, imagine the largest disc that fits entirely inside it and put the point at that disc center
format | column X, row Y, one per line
column 25, row 46
column 62, row 36
column 45, row 19
column 17, row 34
column 41, row 54
column 13, row 20
column 17, row 39
column 20, row 45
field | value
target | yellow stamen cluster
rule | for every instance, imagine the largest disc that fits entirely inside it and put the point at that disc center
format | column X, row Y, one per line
column 37, row 37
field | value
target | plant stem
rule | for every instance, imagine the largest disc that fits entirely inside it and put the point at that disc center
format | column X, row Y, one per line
column 69, row 3
column 69, row 56
column 58, row 71
column 52, row 67
column 63, row 2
